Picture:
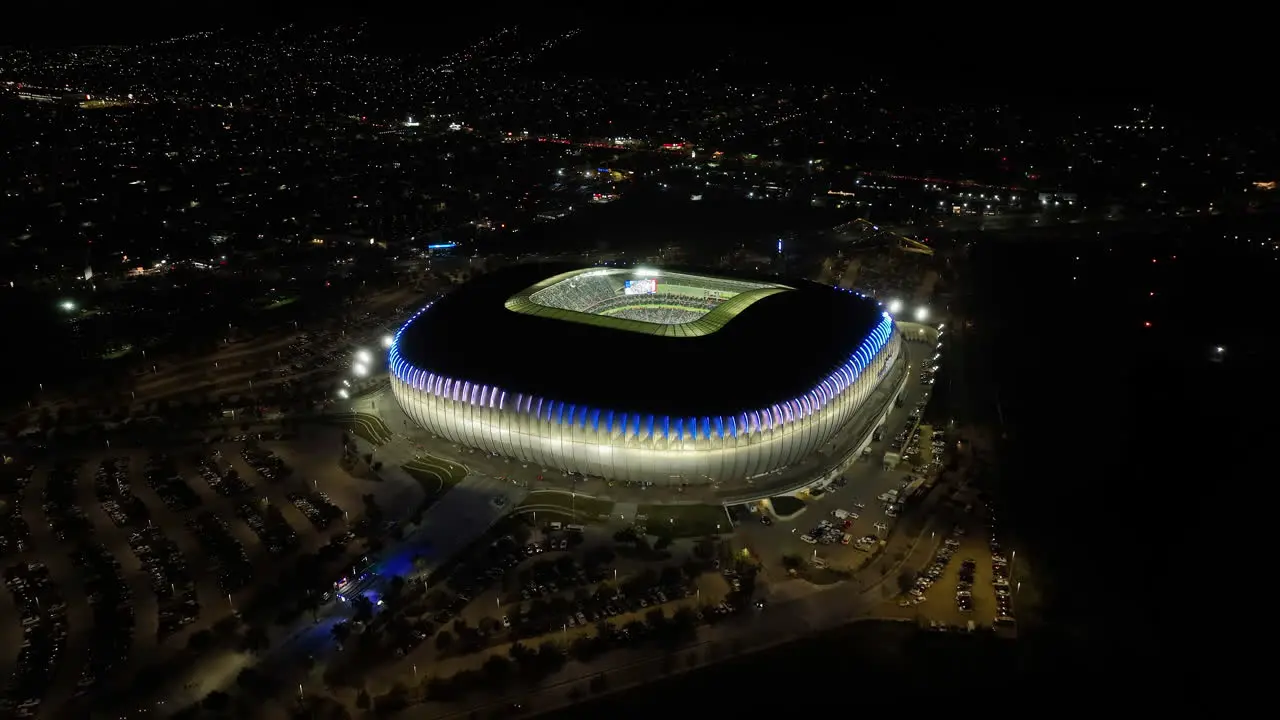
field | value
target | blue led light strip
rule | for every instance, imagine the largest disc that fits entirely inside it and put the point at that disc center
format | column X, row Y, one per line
column 706, row 427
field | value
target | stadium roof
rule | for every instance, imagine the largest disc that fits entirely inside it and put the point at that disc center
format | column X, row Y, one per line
column 773, row 348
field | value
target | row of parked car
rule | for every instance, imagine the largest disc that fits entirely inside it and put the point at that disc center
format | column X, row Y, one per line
column 115, row 496
column 226, row 556
column 111, row 603
column 15, row 533
column 44, row 636
column 264, row 462
column 62, row 506
column 1000, row 579
column 316, row 507
column 163, row 477
column 227, row 483
column 266, row 521
column 169, row 577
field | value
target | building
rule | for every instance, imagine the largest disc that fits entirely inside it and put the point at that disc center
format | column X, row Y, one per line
column 636, row 374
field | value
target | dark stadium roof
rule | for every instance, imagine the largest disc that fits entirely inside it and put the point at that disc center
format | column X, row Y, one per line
column 776, row 349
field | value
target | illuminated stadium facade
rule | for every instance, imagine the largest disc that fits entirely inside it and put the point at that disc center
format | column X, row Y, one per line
column 643, row 375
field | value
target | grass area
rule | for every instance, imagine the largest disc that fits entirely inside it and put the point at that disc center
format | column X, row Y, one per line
column 281, row 302
column 437, row 476
column 576, row 508
column 786, row 505
column 686, row 520
column 369, row 428
column 824, row 576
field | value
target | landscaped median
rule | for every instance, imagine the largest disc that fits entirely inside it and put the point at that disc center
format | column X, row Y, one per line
column 565, row 506
column 684, row 521
column 369, row 428
column 436, row 476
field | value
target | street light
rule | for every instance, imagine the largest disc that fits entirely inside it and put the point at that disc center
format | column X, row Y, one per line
column 388, row 341
column 922, row 313
column 895, row 307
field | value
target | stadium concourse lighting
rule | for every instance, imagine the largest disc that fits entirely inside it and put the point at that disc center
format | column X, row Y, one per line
column 364, row 356
column 360, row 370
column 922, row 314
column 67, row 305
column 895, row 307
column 388, row 340
column 342, row 393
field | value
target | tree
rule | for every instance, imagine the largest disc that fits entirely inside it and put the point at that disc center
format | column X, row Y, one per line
column 906, row 581
column 498, row 669
column 670, row 575
column 662, row 542
column 656, row 618
column 341, row 632
column 216, row 701
column 444, row 640
column 520, row 652
column 363, row 609
column 255, row 639
column 200, row 641
column 362, row 699
column 792, row 562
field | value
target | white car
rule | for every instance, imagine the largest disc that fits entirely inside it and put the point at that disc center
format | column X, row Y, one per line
column 859, row 504
column 807, row 539
column 506, row 621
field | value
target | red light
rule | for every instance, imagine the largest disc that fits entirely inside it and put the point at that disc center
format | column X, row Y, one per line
column 1151, row 294
column 1146, row 324
column 1153, row 259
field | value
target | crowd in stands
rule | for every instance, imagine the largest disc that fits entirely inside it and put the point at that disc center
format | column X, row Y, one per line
column 579, row 293
column 588, row 292
column 678, row 308
column 659, row 315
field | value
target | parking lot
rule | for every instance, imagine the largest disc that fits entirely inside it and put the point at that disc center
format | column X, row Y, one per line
column 570, row 584
column 132, row 553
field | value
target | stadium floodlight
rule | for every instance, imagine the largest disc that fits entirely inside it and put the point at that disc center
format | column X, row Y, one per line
column 68, row 305
column 895, row 307
column 388, row 341
column 645, row 272
column 364, row 356
column 342, row 393
column 360, row 370
column 922, row 314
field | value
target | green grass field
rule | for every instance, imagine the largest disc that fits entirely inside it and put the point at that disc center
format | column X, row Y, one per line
column 436, row 476
column 566, row 507
column 369, row 428
column 686, row 520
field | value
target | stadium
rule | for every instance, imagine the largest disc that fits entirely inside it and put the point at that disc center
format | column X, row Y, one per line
column 636, row 374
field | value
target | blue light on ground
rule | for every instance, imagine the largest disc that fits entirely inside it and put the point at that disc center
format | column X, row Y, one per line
column 400, row 564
